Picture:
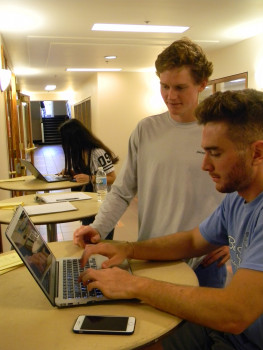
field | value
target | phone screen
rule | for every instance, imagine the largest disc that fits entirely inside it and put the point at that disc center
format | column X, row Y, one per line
column 104, row 323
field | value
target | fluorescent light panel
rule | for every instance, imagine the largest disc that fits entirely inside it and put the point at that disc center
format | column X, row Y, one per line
column 93, row 69
column 50, row 87
column 145, row 28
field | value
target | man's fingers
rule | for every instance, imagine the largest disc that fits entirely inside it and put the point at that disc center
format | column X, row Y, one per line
column 222, row 261
column 85, row 235
column 95, row 239
column 110, row 262
column 89, row 250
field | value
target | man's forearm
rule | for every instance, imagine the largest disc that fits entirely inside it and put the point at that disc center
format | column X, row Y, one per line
column 210, row 307
column 177, row 246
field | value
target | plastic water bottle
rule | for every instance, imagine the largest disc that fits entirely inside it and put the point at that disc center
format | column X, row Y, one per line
column 101, row 184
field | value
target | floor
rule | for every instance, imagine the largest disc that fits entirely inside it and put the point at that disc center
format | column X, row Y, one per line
column 50, row 160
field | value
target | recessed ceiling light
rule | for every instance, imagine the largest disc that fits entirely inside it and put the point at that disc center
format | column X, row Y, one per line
column 93, row 69
column 144, row 28
column 50, row 87
column 110, row 57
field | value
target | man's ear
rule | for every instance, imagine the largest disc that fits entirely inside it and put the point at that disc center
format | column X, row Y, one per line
column 257, row 148
column 202, row 85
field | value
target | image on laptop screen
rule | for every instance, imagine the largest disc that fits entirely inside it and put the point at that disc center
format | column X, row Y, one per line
column 36, row 254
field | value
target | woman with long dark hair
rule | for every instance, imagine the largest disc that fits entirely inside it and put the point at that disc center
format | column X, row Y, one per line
column 84, row 154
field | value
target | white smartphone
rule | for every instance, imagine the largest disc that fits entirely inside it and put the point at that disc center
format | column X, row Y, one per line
column 104, row 324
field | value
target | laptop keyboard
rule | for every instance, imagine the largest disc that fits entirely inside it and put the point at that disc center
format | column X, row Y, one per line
column 72, row 289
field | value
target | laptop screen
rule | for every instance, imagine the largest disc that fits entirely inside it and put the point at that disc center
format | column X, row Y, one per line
column 31, row 168
column 33, row 250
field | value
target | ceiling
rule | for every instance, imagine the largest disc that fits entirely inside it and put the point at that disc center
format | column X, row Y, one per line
column 61, row 36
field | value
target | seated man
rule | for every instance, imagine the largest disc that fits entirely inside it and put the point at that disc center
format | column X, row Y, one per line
column 228, row 318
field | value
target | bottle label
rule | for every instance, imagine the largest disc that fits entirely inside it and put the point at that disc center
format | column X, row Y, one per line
column 101, row 180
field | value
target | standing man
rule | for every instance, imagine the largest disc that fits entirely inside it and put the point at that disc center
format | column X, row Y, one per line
column 163, row 164
column 230, row 318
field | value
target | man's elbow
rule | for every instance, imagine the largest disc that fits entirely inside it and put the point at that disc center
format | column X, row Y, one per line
column 238, row 325
column 236, row 328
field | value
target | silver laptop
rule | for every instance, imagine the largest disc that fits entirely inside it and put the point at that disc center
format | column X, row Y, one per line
column 38, row 175
column 58, row 278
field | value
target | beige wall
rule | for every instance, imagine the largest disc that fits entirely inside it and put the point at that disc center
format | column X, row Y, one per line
column 89, row 90
column 246, row 56
column 122, row 100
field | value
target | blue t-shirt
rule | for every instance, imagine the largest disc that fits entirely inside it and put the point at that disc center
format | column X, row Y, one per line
column 240, row 225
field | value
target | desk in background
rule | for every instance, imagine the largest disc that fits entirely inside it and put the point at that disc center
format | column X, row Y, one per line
column 85, row 208
column 28, row 319
column 31, row 184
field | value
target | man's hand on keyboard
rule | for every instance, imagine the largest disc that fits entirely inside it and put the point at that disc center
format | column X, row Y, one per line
column 116, row 252
column 114, row 283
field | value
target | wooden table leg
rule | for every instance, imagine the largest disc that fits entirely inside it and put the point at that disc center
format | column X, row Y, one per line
column 52, row 232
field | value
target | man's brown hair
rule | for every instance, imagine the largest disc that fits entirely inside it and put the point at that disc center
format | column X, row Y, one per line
column 241, row 110
column 182, row 53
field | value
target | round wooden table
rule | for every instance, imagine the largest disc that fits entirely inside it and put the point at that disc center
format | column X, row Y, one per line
column 85, row 208
column 30, row 183
column 30, row 322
